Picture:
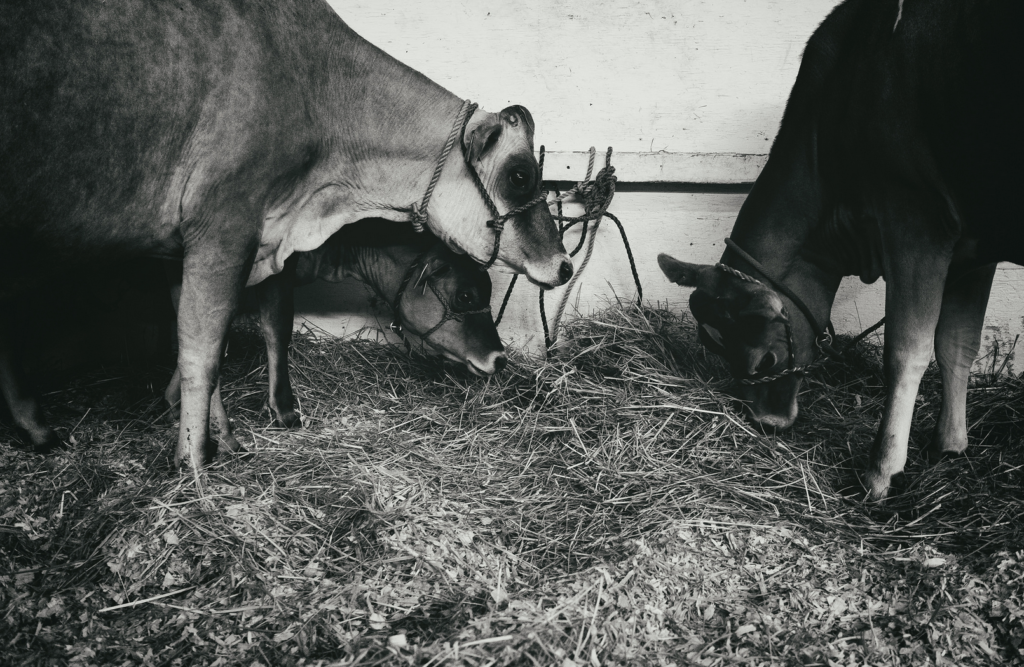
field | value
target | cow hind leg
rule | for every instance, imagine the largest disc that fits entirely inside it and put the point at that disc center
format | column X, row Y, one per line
column 22, row 403
column 172, row 395
column 220, row 425
column 276, row 296
column 957, row 338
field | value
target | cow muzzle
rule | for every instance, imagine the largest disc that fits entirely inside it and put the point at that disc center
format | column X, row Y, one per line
column 773, row 405
column 489, row 364
column 550, row 274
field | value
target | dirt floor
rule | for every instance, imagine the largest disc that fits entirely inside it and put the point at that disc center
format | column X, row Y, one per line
column 607, row 507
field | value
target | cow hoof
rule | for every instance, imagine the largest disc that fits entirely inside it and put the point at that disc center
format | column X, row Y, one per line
column 227, row 444
column 290, row 419
column 877, row 486
column 244, row 454
column 50, row 444
column 45, row 442
column 939, row 450
column 183, row 464
column 936, row 455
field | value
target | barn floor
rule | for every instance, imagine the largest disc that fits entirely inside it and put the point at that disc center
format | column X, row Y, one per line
column 608, row 507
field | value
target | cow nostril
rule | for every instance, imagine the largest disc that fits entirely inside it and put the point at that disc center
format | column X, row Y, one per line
column 565, row 271
column 500, row 363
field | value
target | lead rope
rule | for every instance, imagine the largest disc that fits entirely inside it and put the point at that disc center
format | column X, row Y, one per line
column 497, row 221
column 596, row 197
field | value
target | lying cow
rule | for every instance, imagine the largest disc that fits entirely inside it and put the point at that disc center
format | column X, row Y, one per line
column 898, row 157
column 232, row 135
column 438, row 297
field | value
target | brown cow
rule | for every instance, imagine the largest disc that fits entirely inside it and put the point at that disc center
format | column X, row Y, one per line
column 898, row 156
column 232, row 135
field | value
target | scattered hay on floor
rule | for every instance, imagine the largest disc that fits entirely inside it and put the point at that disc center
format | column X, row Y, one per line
column 609, row 506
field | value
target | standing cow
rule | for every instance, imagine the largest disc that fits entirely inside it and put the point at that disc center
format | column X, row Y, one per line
column 898, row 157
column 233, row 135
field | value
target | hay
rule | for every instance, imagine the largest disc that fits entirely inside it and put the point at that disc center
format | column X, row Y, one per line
column 609, row 506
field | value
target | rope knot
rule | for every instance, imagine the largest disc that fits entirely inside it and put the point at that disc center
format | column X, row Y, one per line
column 596, row 195
column 418, row 218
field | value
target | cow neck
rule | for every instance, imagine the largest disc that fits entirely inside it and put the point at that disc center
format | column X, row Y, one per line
column 775, row 222
column 375, row 130
column 417, row 128
column 380, row 268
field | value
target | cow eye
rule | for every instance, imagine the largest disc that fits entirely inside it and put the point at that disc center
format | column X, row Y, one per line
column 464, row 298
column 519, row 179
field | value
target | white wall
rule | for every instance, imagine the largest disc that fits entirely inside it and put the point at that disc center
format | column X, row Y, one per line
column 686, row 91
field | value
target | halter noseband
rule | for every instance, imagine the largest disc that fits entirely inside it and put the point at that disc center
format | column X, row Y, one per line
column 822, row 334
column 449, row 313
column 418, row 217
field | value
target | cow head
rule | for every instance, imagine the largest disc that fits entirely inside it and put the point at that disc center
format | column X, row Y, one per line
column 500, row 148
column 446, row 287
column 747, row 324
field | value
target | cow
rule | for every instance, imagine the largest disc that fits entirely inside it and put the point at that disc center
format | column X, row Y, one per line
column 230, row 136
column 438, row 298
column 897, row 157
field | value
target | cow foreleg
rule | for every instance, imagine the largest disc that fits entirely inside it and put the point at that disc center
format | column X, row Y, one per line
column 277, row 314
column 221, row 424
column 213, row 277
column 23, row 404
column 957, row 338
column 913, row 300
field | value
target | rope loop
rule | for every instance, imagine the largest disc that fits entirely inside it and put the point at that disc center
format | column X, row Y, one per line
column 418, row 218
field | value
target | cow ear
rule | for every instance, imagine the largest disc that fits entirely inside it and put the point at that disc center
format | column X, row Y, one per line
column 481, row 135
column 516, row 114
column 683, row 273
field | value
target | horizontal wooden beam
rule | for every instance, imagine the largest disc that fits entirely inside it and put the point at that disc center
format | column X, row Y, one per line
column 662, row 167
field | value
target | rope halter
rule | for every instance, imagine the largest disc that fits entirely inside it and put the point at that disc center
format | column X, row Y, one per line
column 822, row 334
column 449, row 312
column 418, row 216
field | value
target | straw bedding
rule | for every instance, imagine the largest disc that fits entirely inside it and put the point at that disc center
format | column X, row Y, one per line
column 607, row 507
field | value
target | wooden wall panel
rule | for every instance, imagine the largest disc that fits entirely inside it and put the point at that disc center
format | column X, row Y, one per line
column 644, row 76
